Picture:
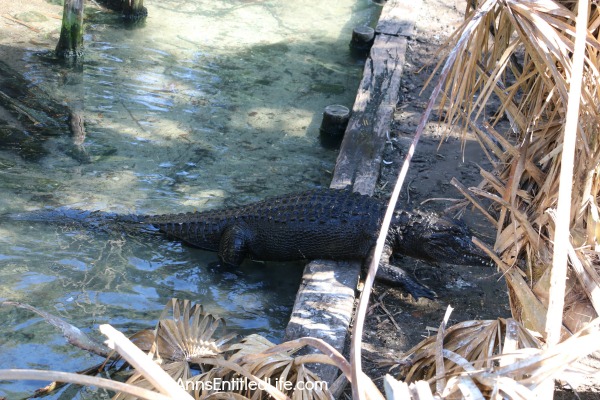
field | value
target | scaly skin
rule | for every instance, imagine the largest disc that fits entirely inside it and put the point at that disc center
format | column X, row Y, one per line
column 323, row 224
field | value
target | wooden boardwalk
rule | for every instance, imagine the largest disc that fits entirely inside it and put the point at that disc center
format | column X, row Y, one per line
column 325, row 302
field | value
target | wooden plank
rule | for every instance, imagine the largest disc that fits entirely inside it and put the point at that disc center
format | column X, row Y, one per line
column 325, row 302
column 324, row 307
column 399, row 18
column 360, row 154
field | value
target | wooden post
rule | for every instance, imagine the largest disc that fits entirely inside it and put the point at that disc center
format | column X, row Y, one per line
column 333, row 125
column 134, row 10
column 70, row 44
column 362, row 40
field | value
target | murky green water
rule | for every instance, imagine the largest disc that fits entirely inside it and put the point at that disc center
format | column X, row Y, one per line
column 211, row 103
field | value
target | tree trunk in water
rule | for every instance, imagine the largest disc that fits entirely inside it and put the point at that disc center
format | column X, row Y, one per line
column 70, row 44
column 134, row 9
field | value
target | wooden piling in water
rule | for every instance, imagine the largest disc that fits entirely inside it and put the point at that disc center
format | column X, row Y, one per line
column 70, row 43
column 363, row 38
column 134, row 10
column 333, row 125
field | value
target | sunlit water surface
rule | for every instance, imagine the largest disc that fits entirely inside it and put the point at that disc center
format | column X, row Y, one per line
column 209, row 104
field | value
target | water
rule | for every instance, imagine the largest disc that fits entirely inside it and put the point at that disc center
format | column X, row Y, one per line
column 211, row 103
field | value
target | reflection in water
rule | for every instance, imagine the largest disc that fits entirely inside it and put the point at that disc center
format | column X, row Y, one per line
column 211, row 103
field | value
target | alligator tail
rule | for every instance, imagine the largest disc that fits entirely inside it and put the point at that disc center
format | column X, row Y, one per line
column 64, row 216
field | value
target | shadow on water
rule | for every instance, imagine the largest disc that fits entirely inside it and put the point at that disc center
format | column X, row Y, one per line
column 193, row 122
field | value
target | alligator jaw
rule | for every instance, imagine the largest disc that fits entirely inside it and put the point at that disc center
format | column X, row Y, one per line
column 476, row 256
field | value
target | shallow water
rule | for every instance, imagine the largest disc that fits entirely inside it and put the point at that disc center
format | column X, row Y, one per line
column 210, row 103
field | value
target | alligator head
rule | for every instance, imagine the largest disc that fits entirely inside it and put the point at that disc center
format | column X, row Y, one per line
column 429, row 237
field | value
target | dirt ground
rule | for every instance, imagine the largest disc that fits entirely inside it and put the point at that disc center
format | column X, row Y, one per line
column 395, row 322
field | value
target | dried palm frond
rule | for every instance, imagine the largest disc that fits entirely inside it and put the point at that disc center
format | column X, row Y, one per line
column 59, row 376
column 476, row 341
column 519, row 53
column 277, row 365
column 486, row 359
column 192, row 347
column 188, row 334
column 182, row 336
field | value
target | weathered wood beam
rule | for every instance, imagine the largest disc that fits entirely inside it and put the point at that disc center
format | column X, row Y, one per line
column 325, row 302
column 359, row 160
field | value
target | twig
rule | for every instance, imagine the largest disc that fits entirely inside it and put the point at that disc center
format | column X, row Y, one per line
column 46, row 390
column 408, row 189
column 132, row 117
column 440, row 370
column 53, row 16
column 143, row 364
column 464, row 191
column 37, row 375
column 73, row 334
column 450, row 199
column 8, row 17
column 390, row 316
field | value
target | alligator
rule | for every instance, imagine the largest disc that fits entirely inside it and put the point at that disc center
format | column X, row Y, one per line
column 334, row 224
column 329, row 224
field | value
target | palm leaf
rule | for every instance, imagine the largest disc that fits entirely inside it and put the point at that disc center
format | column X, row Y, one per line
column 520, row 53
column 187, row 338
column 188, row 334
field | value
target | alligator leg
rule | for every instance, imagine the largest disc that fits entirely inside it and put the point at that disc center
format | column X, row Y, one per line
column 233, row 247
column 392, row 274
column 396, row 275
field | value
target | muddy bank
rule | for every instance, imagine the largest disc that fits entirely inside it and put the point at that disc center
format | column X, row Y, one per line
column 396, row 322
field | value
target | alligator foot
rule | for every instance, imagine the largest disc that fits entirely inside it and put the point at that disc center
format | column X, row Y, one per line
column 392, row 274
